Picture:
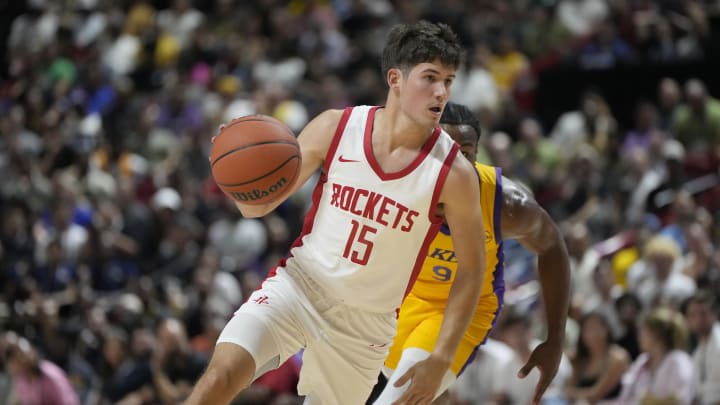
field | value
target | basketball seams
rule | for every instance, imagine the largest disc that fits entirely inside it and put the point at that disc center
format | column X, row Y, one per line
column 274, row 168
column 256, row 118
column 280, row 166
column 250, row 145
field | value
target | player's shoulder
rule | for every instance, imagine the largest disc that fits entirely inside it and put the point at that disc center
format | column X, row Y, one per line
column 488, row 174
column 320, row 130
column 316, row 137
column 463, row 167
column 515, row 192
column 462, row 179
column 328, row 119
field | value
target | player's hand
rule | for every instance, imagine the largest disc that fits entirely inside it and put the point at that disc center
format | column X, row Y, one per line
column 546, row 357
column 212, row 140
column 424, row 377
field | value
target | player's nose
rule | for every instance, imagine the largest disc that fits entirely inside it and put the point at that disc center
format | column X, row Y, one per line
column 440, row 92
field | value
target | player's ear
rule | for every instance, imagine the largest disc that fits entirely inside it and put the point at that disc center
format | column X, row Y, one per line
column 394, row 76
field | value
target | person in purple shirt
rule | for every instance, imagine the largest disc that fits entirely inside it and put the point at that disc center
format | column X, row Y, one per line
column 35, row 381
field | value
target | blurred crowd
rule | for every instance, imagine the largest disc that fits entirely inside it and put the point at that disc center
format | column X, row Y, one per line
column 121, row 260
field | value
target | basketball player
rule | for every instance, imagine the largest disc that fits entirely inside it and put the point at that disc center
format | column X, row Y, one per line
column 509, row 211
column 385, row 173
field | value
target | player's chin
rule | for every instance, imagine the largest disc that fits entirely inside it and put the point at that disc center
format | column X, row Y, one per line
column 431, row 118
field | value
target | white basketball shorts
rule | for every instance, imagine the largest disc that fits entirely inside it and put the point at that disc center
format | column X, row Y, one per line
column 345, row 347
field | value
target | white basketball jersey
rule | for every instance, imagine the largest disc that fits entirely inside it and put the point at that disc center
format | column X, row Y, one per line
column 366, row 235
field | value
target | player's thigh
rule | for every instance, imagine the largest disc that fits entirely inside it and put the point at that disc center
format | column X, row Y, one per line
column 425, row 335
column 476, row 334
column 413, row 312
column 343, row 366
column 330, row 376
column 266, row 325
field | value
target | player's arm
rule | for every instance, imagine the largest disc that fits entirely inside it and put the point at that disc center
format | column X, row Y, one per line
column 526, row 221
column 314, row 141
column 461, row 202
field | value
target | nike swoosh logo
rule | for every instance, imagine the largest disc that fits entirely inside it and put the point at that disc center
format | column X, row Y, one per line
column 344, row 160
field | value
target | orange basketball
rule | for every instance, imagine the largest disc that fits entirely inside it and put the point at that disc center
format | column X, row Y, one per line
column 255, row 159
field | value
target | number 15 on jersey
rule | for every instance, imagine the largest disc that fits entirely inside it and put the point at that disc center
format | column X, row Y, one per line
column 358, row 247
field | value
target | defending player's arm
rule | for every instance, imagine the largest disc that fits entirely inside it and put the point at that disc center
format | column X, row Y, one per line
column 526, row 221
column 314, row 141
column 461, row 202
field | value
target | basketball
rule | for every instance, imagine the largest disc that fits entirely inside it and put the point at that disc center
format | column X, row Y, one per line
column 255, row 159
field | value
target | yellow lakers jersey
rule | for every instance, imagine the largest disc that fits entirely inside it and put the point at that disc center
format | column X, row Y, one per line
column 438, row 271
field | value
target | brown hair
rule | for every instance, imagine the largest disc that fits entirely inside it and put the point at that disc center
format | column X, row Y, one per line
column 668, row 326
column 411, row 44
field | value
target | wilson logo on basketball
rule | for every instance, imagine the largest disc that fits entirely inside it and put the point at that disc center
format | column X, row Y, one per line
column 257, row 194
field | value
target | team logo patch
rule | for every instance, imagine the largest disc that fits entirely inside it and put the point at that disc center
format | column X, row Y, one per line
column 263, row 299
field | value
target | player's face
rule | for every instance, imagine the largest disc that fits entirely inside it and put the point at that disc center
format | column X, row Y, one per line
column 466, row 137
column 425, row 90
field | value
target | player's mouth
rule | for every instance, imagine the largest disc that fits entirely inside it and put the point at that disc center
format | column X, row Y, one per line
column 436, row 111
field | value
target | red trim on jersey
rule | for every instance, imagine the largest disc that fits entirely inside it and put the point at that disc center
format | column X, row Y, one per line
column 436, row 221
column 336, row 138
column 370, row 155
column 317, row 193
column 447, row 164
column 422, row 253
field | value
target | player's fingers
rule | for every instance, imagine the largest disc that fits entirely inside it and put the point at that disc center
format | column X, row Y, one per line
column 404, row 378
column 525, row 370
column 542, row 385
column 407, row 398
column 403, row 400
column 212, row 140
column 423, row 400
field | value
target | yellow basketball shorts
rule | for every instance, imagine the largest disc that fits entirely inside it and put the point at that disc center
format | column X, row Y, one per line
column 419, row 326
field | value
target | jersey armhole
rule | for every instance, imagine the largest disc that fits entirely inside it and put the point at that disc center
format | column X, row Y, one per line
column 336, row 139
column 447, row 164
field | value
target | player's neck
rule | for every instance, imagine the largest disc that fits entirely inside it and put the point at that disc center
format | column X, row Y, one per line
column 395, row 129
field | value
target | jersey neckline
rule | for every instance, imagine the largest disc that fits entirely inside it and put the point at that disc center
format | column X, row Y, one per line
column 370, row 154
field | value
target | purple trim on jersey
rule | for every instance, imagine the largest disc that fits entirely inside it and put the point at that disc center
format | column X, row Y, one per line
column 370, row 155
column 497, row 207
column 499, row 272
